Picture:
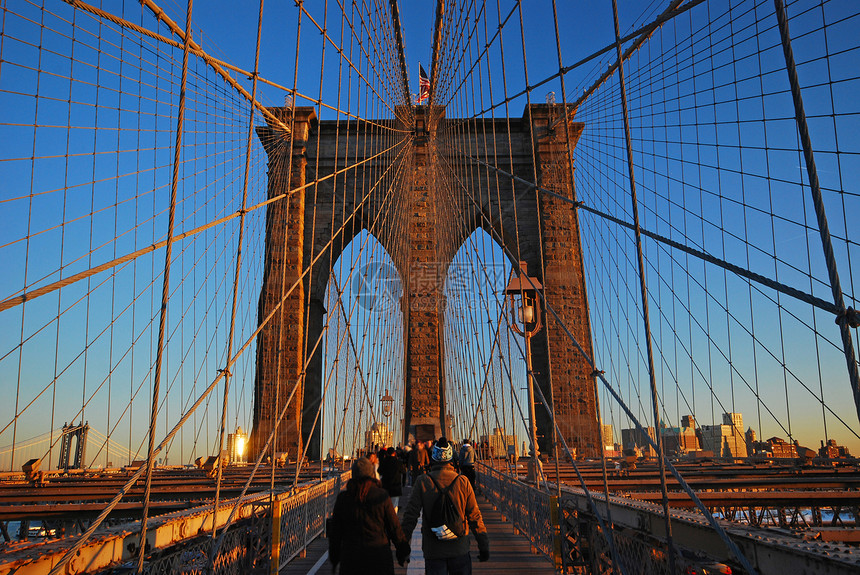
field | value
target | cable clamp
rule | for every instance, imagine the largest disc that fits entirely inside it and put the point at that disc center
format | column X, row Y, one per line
column 578, row 204
column 597, row 372
column 850, row 317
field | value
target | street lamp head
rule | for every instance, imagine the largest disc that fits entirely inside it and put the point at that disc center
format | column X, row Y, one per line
column 387, row 403
column 524, row 301
column 527, row 314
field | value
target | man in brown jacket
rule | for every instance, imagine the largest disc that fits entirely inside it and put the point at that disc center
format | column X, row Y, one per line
column 449, row 556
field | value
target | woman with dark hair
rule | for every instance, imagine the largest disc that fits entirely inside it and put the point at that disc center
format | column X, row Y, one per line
column 362, row 524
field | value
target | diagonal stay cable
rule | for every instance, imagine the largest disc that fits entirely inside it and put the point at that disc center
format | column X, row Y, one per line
column 133, row 479
column 165, row 290
column 592, row 503
column 31, row 295
column 301, row 375
column 681, row 481
column 211, row 60
column 846, row 318
column 743, row 272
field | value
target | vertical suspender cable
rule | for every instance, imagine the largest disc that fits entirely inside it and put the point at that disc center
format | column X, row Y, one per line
column 288, row 159
column 398, row 38
column 165, row 290
column 232, row 331
column 644, row 289
column 846, row 317
column 437, row 41
column 573, row 197
column 568, row 158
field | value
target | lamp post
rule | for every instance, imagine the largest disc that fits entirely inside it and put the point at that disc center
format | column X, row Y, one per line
column 526, row 314
column 387, row 403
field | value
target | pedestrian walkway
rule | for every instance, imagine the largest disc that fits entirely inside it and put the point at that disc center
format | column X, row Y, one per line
column 509, row 551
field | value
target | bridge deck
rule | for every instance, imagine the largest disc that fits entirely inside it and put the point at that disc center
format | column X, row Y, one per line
column 509, row 552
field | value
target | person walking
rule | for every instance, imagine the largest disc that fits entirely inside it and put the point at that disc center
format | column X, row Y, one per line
column 390, row 475
column 467, row 461
column 403, row 457
column 418, row 461
column 362, row 524
column 373, row 457
column 428, row 447
column 445, row 553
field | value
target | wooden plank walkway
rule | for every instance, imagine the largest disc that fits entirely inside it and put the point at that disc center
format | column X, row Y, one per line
column 509, row 551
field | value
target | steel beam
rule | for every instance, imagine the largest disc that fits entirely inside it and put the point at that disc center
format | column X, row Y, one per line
column 756, row 498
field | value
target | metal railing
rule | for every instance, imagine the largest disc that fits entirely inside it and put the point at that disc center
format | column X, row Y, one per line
column 271, row 532
column 638, row 532
column 568, row 530
column 242, row 550
column 299, row 518
column 533, row 512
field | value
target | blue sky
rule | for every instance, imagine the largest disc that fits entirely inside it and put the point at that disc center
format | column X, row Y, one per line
column 716, row 161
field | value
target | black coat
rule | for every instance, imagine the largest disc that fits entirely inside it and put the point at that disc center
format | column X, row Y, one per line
column 359, row 533
column 391, row 475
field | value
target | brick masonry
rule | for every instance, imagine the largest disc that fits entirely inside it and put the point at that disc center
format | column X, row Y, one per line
column 423, row 304
column 539, row 229
column 280, row 344
column 573, row 390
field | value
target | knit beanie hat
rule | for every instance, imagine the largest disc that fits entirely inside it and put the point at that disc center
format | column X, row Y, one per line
column 442, row 451
column 362, row 467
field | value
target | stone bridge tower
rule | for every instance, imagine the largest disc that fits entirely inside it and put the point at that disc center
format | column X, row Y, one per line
column 538, row 228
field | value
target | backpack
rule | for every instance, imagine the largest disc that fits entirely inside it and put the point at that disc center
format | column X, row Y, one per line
column 444, row 519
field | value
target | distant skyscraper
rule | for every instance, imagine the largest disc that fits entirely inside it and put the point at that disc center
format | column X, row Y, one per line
column 682, row 439
column 726, row 440
column 499, row 442
column 378, row 436
column 735, row 419
column 632, row 438
column 606, row 435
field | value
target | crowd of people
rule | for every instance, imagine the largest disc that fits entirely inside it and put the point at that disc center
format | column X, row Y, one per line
column 364, row 523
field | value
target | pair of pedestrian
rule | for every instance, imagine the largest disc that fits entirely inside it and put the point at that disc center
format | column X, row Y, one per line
column 364, row 521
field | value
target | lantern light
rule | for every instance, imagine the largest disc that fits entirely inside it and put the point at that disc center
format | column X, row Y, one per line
column 387, row 403
column 524, row 302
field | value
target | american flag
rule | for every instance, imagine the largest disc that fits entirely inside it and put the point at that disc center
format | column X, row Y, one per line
column 424, row 85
